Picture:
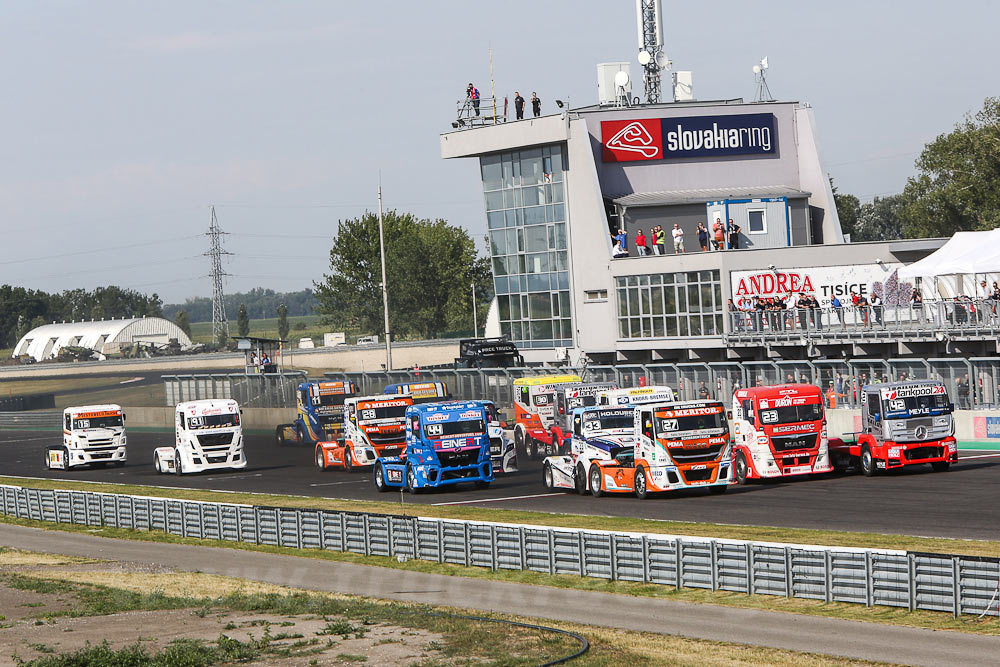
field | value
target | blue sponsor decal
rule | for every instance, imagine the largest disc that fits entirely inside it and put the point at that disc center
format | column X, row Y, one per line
column 993, row 427
column 696, row 136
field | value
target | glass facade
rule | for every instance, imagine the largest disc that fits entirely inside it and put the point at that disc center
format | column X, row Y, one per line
column 526, row 216
column 664, row 305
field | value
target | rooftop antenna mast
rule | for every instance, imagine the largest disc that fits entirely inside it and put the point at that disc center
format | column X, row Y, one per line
column 760, row 73
column 652, row 57
column 220, row 325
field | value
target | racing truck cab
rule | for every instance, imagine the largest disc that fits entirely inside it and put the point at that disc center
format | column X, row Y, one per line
column 92, row 434
column 633, row 395
column 902, row 424
column 320, row 413
column 779, row 431
column 208, row 435
column 598, row 434
column 535, row 411
column 502, row 450
column 374, row 426
column 568, row 398
column 446, row 443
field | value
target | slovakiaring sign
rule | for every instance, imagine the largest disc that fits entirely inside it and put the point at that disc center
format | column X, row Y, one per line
column 822, row 281
column 689, row 136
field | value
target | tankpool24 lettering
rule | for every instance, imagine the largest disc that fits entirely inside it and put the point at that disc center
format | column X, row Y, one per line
column 690, row 136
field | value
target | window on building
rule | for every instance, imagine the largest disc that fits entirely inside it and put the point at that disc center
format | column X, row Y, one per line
column 590, row 296
column 668, row 305
column 757, row 221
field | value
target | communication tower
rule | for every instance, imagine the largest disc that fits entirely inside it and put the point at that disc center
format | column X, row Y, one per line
column 652, row 57
column 760, row 73
column 220, row 325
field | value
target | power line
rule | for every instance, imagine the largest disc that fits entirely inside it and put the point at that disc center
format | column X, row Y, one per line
column 95, row 250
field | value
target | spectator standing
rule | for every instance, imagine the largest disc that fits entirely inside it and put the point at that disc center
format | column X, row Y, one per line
column 658, row 238
column 734, row 235
column 678, row 235
column 536, row 105
column 640, row 243
column 473, row 94
column 758, row 313
column 917, row 305
column 863, row 309
column 876, row 304
column 703, row 391
column 518, row 105
column 702, row 236
column 622, row 239
column 838, row 308
column 802, row 304
column 734, row 315
column 717, row 235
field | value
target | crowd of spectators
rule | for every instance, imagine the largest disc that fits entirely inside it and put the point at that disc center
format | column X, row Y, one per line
column 654, row 242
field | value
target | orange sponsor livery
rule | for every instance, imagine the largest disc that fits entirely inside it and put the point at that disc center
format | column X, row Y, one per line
column 535, row 410
column 374, row 426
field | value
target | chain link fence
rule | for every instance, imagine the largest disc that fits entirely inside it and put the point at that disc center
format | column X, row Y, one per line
column 937, row 582
column 264, row 390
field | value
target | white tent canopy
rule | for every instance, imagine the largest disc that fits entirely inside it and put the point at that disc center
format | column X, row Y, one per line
column 965, row 253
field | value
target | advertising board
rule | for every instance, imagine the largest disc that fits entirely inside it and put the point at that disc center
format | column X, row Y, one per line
column 689, row 136
column 822, row 281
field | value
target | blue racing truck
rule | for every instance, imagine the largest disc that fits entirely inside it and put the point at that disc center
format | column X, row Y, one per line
column 320, row 413
column 421, row 392
column 446, row 443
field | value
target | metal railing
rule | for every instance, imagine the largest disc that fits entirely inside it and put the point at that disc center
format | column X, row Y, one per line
column 39, row 419
column 480, row 112
column 937, row 582
column 265, row 390
column 931, row 320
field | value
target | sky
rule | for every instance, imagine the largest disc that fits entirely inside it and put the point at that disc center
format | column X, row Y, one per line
column 123, row 122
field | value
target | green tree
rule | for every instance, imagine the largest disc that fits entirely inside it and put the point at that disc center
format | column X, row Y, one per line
column 182, row 321
column 957, row 187
column 282, row 321
column 243, row 321
column 879, row 219
column 848, row 207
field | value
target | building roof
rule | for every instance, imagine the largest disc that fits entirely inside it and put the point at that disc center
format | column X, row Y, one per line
column 45, row 341
column 702, row 195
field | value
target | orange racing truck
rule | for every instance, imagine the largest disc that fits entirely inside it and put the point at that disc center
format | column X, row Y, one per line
column 678, row 446
column 374, row 426
column 779, row 431
column 535, row 411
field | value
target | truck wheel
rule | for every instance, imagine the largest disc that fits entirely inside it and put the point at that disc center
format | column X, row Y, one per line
column 532, row 448
column 595, row 482
column 941, row 466
column 580, row 480
column 178, row 463
column 519, row 441
column 639, row 486
column 740, row 468
column 279, row 435
column 348, row 462
column 867, row 462
column 157, row 465
column 299, row 435
column 547, row 476
column 482, row 484
column 718, row 489
column 380, row 478
column 320, row 458
column 411, row 481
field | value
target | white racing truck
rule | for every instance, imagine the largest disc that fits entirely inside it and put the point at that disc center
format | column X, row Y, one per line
column 208, row 436
column 598, row 434
column 92, row 434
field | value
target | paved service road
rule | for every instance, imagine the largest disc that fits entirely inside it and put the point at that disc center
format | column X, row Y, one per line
column 962, row 503
column 867, row 641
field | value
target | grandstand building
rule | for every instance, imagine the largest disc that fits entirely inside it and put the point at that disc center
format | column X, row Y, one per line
column 558, row 188
column 103, row 336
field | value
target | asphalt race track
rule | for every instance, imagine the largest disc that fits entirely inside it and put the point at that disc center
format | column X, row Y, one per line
column 963, row 502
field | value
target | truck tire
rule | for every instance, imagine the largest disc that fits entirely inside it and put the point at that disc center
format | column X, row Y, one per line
column 411, row 481
column 580, row 480
column 320, row 458
column 639, row 484
column 547, row 479
column 941, row 466
column 380, row 479
column 178, row 463
column 532, row 446
column 595, row 482
column 300, row 437
column 348, row 462
column 519, row 440
column 867, row 462
column 740, row 468
column 158, row 465
column 279, row 435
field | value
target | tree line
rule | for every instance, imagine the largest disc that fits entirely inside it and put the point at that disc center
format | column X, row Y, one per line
column 260, row 303
column 956, row 187
column 21, row 309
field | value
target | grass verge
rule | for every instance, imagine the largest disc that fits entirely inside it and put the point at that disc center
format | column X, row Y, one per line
column 589, row 522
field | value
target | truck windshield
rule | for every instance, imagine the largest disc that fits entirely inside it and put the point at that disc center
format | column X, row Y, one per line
column 792, row 414
column 384, row 412
column 917, row 403
column 214, row 421
column 669, row 427
column 109, row 421
column 581, row 401
column 607, row 421
column 329, row 399
column 450, row 429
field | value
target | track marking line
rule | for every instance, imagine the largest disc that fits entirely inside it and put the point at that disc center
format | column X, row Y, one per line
column 979, row 456
column 350, row 481
column 494, row 500
column 216, row 479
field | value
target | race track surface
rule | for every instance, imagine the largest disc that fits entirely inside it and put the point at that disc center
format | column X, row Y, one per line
column 961, row 503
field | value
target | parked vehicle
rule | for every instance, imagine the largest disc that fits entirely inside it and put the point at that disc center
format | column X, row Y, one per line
column 368, row 340
column 374, row 426
column 488, row 353
column 779, row 431
column 446, row 443
column 421, row 392
column 534, row 409
column 207, row 436
column 598, row 434
column 902, row 424
column 92, row 435
column 320, row 413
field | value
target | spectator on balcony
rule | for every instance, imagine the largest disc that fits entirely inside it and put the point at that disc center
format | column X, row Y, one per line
column 518, row 106
column 702, row 236
column 678, row 235
column 718, row 236
column 758, row 313
column 536, row 105
column 658, row 238
column 640, row 243
column 863, row 309
column 473, row 94
column 620, row 241
column 876, row 304
column 801, row 303
column 917, row 305
column 734, row 235
column 962, row 391
column 838, row 308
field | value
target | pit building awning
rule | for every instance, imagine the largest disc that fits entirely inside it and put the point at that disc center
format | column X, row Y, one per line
column 703, row 195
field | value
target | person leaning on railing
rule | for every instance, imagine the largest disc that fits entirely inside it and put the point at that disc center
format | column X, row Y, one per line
column 838, row 308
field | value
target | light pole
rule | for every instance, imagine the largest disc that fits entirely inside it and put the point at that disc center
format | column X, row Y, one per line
column 475, row 315
column 385, row 292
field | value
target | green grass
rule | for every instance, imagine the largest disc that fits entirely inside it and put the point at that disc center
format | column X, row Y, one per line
column 300, row 326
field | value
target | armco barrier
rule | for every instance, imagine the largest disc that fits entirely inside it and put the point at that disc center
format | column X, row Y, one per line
column 956, row 584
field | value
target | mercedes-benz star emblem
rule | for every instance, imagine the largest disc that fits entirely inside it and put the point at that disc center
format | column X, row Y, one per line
column 920, row 432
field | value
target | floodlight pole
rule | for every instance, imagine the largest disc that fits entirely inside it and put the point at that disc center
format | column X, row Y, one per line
column 475, row 315
column 385, row 291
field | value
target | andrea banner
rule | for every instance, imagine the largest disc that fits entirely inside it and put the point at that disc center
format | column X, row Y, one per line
column 690, row 136
column 822, row 281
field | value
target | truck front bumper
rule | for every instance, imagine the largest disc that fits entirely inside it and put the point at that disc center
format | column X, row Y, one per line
column 901, row 454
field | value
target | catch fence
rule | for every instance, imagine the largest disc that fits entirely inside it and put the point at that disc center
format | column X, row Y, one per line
column 937, row 582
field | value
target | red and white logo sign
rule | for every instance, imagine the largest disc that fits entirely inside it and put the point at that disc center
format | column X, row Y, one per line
column 627, row 140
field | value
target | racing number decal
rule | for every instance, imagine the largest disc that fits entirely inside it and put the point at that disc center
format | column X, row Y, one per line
column 434, row 429
column 897, row 404
column 668, row 424
column 768, row 416
column 368, row 414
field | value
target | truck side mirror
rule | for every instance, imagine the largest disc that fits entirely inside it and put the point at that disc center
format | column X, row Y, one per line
column 951, row 407
column 729, row 414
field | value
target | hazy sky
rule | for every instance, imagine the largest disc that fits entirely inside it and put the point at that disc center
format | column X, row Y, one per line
column 123, row 121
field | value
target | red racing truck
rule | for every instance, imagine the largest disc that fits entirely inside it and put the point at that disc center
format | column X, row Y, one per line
column 779, row 431
column 902, row 424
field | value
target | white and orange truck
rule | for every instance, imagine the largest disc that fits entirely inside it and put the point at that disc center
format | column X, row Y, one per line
column 535, row 412
column 92, row 435
column 374, row 427
column 779, row 431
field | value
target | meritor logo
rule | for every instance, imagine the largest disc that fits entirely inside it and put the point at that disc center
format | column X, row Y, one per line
column 634, row 138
